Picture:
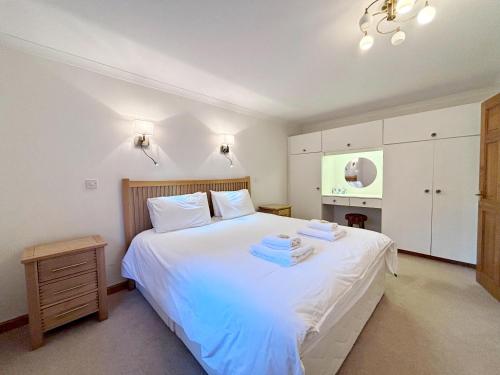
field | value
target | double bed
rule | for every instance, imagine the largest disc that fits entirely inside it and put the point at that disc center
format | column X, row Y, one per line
column 239, row 314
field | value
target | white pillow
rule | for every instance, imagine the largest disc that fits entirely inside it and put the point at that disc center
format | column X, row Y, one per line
column 179, row 212
column 233, row 204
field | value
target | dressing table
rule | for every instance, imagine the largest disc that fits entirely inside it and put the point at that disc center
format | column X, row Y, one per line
column 352, row 183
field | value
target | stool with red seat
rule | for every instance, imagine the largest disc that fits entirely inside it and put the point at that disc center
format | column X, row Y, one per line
column 356, row 219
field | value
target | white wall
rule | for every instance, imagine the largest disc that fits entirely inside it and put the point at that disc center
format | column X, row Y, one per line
column 60, row 125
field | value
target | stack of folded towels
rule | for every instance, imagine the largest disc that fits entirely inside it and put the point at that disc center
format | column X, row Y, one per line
column 282, row 249
column 323, row 229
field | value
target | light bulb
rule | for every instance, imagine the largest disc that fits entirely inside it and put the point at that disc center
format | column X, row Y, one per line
column 404, row 6
column 398, row 38
column 366, row 42
column 426, row 14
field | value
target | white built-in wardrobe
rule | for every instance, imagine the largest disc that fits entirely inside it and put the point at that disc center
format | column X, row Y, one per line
column 431, row 177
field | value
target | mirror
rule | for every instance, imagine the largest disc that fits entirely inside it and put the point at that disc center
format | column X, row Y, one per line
column 360, row 172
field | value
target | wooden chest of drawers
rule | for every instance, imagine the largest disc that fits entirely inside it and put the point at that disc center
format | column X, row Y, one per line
column 65, row 281
column 277, row 209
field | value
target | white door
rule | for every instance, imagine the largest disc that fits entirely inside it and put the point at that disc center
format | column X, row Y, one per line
column 304, row 181
column 454, row 212
column 407, row 197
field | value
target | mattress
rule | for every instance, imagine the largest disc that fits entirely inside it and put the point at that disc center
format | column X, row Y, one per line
column 247, row 315
column 326, row 351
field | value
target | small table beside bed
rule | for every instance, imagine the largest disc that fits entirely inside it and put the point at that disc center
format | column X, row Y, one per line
column 240, row 314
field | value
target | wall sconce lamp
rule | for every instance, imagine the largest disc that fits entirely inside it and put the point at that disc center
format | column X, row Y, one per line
column 227, row 140
column 144, row 129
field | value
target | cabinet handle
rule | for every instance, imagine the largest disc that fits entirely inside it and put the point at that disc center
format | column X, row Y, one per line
column 317, row 188
column 348, row 145
column 364, row 202
column 71, row 310
column 68, row 289
column 67, row 267
column 438, row 191
column 304, row 150
column 426, row 191
column 334, row 201
column 433, row 134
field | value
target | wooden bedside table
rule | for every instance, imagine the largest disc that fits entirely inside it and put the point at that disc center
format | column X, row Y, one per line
column 64, row 281
column 277, row 209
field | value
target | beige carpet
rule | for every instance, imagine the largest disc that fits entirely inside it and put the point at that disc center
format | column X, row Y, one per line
column 434, row 319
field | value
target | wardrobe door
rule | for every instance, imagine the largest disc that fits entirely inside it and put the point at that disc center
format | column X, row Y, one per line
column 407, row 200
column 354, row 137
column 304, row 143
column 455, row 204
column 304, row 181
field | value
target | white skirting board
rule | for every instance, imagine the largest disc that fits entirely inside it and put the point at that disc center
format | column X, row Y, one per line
column 321, row 354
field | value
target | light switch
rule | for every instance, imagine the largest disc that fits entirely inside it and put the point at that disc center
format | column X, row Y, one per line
column 90, row 184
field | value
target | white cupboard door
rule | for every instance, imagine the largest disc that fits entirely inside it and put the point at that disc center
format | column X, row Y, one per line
column 407, row 197
column 454, row 213
column 304, row 181
column 354, row 137
column 304, row 143
column 449, row 122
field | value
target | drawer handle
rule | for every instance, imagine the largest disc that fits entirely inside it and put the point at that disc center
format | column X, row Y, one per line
column 364, row 202
column 71, row 310
column 70, row 266
column 68, row 289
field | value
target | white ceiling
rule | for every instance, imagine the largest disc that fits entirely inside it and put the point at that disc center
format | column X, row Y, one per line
column 294, row 59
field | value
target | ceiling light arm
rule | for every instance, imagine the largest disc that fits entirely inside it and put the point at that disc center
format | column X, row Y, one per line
column 369, row 6
column 385, row 32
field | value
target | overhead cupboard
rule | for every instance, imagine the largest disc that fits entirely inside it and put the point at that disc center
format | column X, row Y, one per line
column 430, row 165
column 355, row 137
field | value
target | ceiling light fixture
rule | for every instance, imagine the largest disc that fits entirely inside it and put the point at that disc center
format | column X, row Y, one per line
column 390, row 15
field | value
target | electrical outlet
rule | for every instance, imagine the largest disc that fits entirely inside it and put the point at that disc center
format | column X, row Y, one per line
column 91, row 184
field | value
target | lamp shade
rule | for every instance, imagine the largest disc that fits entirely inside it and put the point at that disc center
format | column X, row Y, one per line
column 143, row 127
column 404, row 6
column 228, row 139
column 426, row 14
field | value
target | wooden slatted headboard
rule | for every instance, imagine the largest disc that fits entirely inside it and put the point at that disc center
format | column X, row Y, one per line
column 136, row 193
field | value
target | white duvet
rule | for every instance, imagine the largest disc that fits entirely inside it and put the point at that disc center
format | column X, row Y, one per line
column 249, row 316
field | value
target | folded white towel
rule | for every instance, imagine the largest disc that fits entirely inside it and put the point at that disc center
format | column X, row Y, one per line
column 329, row 236
column 283, row 258
column 282, row 241
column 322, row 225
